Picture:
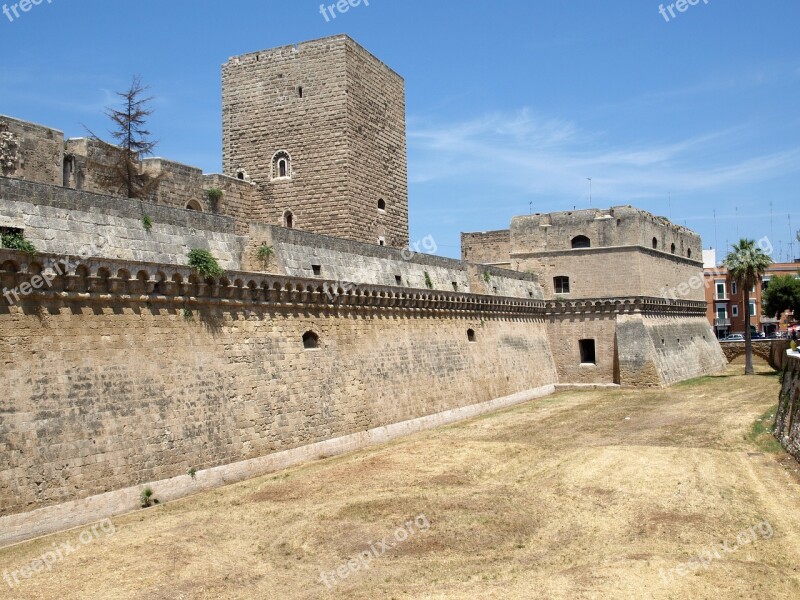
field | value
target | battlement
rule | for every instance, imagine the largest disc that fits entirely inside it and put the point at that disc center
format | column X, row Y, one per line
column 596, row 228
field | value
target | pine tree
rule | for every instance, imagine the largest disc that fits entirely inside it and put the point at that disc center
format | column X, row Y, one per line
column 122, row 175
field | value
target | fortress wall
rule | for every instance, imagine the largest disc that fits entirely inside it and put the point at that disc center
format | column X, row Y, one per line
column 488, row 247
column 615, row 272
column 787, row 422
column 661, row 351
column 76, row 223
column 606, row 228
column 103, row 393
column 180, row 184
column 238, row 199
column 566, row 332
column 349, row 262
column 30, row 151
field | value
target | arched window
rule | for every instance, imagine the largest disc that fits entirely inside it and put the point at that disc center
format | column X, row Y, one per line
column 288, row 220
column 655, row 244
column 194, row 205
column 381, row 204
column 581, row 242
column 672, row 248
column 281, row 165
column 561, row 285
column 310, row 340
column 471, row 336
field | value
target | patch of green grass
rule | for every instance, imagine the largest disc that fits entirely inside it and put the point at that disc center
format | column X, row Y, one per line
column 697, row 381
column 761, row 433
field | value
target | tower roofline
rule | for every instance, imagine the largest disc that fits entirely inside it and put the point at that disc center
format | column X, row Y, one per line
column 340, row 36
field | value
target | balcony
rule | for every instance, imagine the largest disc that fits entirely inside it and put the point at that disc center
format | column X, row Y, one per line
column 722, row 322
column 722, row 297
column 769, row 320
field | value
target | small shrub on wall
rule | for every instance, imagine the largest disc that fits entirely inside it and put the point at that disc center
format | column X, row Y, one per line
column 204, row 263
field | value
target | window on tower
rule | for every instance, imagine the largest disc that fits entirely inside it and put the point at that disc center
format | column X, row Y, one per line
column 281, row 166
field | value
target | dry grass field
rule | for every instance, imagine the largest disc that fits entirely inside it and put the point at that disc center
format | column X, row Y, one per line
column 611, row 494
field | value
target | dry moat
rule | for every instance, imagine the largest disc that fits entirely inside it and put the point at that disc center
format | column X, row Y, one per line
column 673, row 493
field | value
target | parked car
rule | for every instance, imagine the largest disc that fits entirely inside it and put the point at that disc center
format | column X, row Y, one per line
column 734, row 337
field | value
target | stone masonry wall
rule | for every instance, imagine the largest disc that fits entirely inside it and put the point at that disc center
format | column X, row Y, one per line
column 377, row 165
column 104, row 392
column 30, row 151
column 181, row 185
column 73, row 223
column 618, row 271
column 339, row 114
column 606, row 228
column 238, row 199
column 489, row 247
column 787, row 421
column 296, row 253
column 263, row 114
column 661, row 351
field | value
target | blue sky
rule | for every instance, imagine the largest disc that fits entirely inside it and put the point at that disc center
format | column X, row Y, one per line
column 511, row 104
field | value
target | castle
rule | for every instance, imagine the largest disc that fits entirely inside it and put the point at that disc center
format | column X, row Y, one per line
column 326, row 332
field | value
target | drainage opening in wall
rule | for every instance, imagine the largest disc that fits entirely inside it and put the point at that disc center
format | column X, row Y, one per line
column 310, row 340
column 588, row 353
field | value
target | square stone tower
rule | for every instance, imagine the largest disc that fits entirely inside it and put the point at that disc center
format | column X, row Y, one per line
column 320, row 128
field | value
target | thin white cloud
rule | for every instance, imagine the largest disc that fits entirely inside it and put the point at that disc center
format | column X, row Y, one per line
column 540, row 155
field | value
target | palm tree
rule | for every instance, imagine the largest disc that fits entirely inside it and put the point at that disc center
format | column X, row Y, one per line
column 746, row 264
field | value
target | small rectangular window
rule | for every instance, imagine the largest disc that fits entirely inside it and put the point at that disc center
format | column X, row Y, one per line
column 735, row 311
column 317, row 269
column 455, row 286
column 588, row 355
column 561, row 285
column 398, row 280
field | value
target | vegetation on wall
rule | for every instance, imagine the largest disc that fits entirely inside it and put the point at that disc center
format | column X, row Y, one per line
column 428, row 282
column 147, row 223
column 214, row 196
column 265, row 252
column 204, row 263
column 14, row 240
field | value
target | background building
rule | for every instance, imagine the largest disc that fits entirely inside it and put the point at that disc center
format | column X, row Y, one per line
column 725, row 299
column 596, row 253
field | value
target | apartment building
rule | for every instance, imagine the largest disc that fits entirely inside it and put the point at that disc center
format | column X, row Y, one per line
column 725, row 299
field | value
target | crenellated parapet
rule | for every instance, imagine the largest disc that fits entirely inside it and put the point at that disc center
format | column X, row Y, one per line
column 24, row 276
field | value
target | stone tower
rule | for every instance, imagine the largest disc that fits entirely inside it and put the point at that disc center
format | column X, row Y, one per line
column 319, row 127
